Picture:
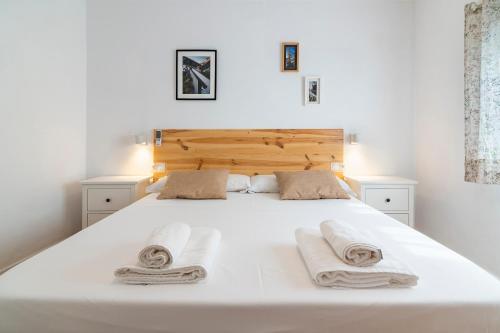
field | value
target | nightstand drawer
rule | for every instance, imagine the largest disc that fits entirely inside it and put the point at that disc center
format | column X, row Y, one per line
column 95, row 217
column 102, row 196
column 106, row 199
column 387, row 199
column 403, row 218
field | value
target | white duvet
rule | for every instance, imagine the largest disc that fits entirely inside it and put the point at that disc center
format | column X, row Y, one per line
column 258, row 281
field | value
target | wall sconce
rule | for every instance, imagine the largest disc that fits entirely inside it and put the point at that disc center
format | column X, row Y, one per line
column 141, row 139
column 353, row 139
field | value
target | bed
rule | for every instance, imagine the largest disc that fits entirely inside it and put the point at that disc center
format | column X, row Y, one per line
column 258, row 282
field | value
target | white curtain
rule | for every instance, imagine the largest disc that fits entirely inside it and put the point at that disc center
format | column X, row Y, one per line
column 482, row 92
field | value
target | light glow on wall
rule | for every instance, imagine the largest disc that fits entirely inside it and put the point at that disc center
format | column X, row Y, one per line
column 355, row 161
column 140, row 160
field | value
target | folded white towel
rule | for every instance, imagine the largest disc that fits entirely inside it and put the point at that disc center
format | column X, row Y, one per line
column 191, row 266
column 164, row 245
column 328, row 270
column 354, row 247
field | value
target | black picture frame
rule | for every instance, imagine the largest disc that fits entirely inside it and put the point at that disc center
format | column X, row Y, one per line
column 179, row 93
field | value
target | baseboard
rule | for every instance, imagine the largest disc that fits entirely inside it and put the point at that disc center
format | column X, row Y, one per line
column 5, row 269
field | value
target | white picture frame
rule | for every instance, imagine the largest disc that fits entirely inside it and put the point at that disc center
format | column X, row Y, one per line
column 312, row 90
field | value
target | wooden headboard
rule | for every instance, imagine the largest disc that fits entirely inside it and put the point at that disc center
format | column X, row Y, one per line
column 249, row 151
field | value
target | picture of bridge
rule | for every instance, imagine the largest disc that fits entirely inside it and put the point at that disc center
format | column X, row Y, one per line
column 196, row 74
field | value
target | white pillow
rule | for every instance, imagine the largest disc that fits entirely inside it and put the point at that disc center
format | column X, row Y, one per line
column 264, row 184
column 238, row 183
column 346, row 187
column 269, row 184
column 157, row 186
column 235, row 183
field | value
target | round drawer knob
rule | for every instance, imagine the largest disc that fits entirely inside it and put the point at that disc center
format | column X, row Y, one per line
column 388, row 200
column 108, row 200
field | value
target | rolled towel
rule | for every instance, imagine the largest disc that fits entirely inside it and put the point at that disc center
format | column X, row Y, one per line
column 352, row 246
column 192, row 265
column 326, row 269
column 164, row 245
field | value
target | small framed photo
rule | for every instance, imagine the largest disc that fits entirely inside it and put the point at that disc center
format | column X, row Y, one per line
column 312, row 90
column 196, row 74
column 289, row 57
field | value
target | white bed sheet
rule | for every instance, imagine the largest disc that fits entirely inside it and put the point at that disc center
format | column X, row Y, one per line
column 258, row 282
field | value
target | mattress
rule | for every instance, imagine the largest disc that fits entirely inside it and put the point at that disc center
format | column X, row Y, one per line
column 258, row 282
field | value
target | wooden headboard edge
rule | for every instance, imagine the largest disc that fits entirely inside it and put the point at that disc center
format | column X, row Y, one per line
column 249, row 151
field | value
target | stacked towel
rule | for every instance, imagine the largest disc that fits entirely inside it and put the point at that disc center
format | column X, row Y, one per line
column 165, row 245
column 352, row 246
column 328, row 270
column 191, row 266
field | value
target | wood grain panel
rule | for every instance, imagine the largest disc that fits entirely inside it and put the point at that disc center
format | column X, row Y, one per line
column 250, row 152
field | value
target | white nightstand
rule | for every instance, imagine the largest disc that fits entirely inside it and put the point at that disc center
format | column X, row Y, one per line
column 395, row 196
column 102, row 196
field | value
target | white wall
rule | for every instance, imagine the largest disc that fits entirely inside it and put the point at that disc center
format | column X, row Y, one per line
column 42, row 123
column 363, row 49
column 464, row 216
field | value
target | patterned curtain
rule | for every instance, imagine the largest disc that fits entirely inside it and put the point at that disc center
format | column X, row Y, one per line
column 482, row 92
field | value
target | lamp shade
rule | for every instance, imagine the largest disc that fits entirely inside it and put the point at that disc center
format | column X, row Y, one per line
column 141, row 139
column 353, row 139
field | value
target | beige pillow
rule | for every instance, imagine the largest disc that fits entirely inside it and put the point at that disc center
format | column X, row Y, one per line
column 313, row 184
column 199, row 184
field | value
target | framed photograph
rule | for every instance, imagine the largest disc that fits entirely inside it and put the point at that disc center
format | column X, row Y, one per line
column 312, row 90
column 196, row 74
column 289, row 57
